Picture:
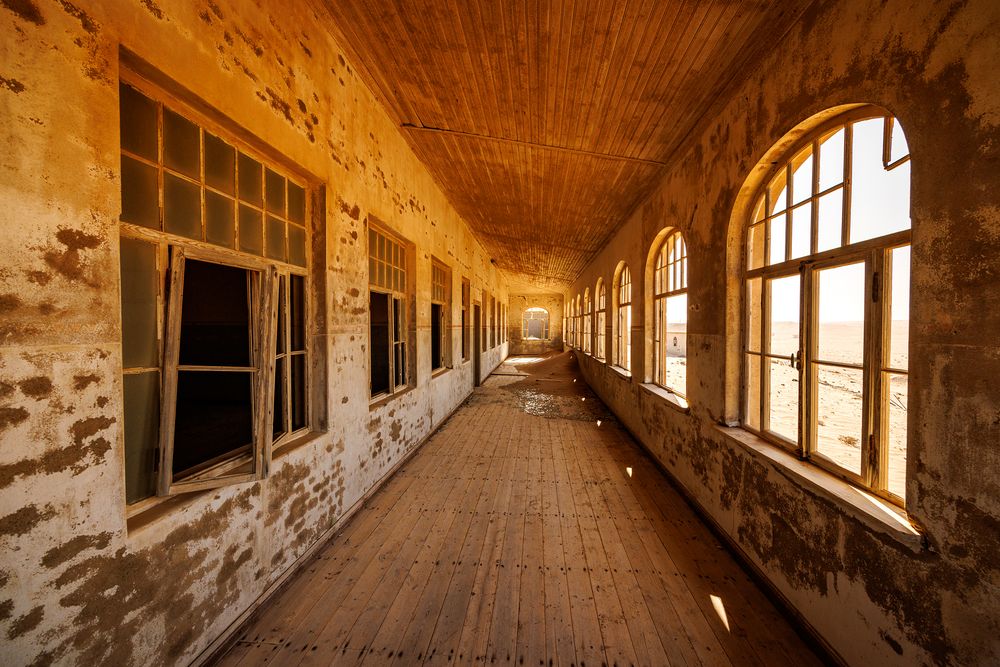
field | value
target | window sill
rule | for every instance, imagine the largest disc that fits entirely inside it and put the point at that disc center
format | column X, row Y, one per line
column 381, row 400
column 873, row 512
column 438, row 372
column 669, row 397
column 297, row 442
column 621, row 371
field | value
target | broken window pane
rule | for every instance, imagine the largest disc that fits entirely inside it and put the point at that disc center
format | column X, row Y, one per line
column 138, row 122
column 880, row 199
column 215, row 318
column 140, row 194
column 139, row 283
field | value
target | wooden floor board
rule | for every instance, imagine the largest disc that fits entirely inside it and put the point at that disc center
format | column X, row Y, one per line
column 524, row 532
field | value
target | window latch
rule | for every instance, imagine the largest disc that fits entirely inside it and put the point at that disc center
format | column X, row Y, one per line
column 795, row 360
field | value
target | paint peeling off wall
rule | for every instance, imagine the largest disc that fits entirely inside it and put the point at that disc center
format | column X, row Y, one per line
column 81, row 583
column 873, row 597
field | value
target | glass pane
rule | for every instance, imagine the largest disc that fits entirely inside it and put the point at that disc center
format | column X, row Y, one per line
column 296, row 245
column 802, row 177
column 214, row 417
column 899, row 308
column 831, row 160
column 139, row 280
column 898, row 145
column 841, row 314
column 275, row 238
column 275, row 184
column 783, row 399
column 220, row 164
column 298, row 391
column 278, row 421
column 220, row 219
column 831, row 220
column 181, row 207
column 279, row 344
column 897, row 393
column 379, row 340
column 251, row 230
column 251, row 174
column 181, row 144
column 675, row 345
column 436, row 349
column 138, row 122
column 215, row 316
column 778, row 193
column 802, row 231
column 142, row 430
column 755, row 247
column 140, row 194
column 296, row 203
column 298, row 312
column 776, row 227
column 784, row 316
column 753, row 314
column 838, row 416
column 751, row 380
column 880, row 199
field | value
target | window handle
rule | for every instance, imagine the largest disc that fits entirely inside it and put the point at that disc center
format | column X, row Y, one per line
column 795, row 360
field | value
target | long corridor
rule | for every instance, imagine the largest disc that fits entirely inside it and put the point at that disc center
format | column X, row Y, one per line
column 529, row 530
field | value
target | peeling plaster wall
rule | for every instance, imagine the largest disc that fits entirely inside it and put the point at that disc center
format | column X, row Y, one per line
column 76, row 585
column 520, row 303
column 873, row 600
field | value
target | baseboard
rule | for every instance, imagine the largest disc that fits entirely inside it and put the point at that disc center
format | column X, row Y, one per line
column 802, row 626
column 221, row 644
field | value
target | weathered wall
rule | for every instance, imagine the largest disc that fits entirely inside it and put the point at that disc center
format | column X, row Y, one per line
column 76, row 585
column 521, row 302
column 872, row 598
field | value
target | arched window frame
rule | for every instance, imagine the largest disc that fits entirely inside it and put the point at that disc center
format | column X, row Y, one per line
column 876, row 255
column 600, row 325
column 621, row 322
column 535, row 313
column 667, row 286
column 579, row 323
column 587, row 323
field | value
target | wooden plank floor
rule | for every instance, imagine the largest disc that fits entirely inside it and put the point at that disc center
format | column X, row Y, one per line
column 529, row 530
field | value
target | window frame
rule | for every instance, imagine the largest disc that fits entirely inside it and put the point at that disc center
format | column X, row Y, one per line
column 600, row 326
column 667, row 283
column 400, row 315
column 441, row 296
column 623, row 315
column 876, row 255
column 466, row 319
column 526, row 317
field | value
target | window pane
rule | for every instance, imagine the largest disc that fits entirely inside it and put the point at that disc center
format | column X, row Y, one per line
column 379, row 341
column 296, row 203
column 138, row 123
column 250, row 180
column 838, row 416
column 214, row 416
column 753, row 314
column 142, row 425
column 251, row 230
column 220, row 164
column 831, row 220
column 802, row 231
column 139, row 278
column 181, row 144
column 783, row 399
column 275, row 238
column 778, row 193
column 140, row 194
column 298, row 312
column 755, row 247
column 898, row 148
column 298, row 391
column 675, row 344
column 215, row 316
column 841, row 314
column 278, row 421
column 802, row 177
column 831, row 160
column 436, row 361
column 751, row 410
column 784, row 316
column 899, row 339
column 181, row 207
column 880, row 199
column 279, row 345
column 220, row 220
column 275, row 184
column 776, row 228
column 296, row 245
column 897, row 393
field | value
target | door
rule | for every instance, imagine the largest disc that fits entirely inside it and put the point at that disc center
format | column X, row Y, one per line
column 477, row 348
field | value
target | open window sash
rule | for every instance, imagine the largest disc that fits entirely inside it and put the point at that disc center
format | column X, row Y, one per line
column 239, row 468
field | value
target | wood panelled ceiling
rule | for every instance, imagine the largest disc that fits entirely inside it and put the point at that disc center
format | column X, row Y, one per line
column 546, row 123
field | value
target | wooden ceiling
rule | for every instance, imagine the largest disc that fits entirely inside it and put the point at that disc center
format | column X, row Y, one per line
column 546, row 123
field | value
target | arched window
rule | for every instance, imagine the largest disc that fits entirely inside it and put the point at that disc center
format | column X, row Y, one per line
column 827, row 280
column 579, row 323
column 670, row 315
column 601, row 323
column 587, row 322
column 535, row 324
column 623, row 320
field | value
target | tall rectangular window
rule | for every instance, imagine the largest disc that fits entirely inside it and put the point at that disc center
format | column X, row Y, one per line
column 388, row 313
column 440, row 311
column 670, row 315
column 623, row 328
column 485, row 322
column 214, row 270
column 601, row 323
column 466, row 318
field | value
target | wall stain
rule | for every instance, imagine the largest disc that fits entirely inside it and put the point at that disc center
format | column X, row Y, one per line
column 67, row 551
column 24, row 520
column 27, row 623
column 36, row 387
column 26, row 9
